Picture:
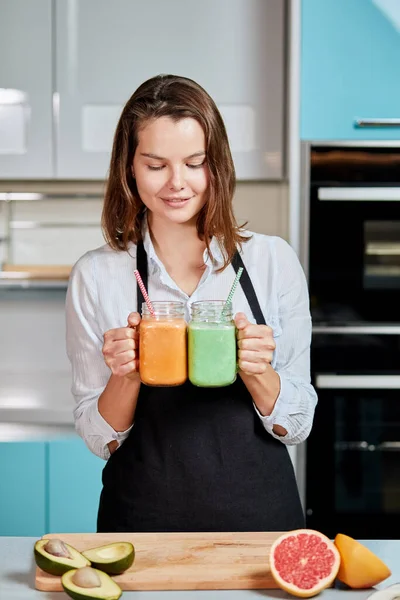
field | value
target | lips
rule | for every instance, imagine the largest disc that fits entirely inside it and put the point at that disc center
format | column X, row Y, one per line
column 175, row 199
column 176, row 202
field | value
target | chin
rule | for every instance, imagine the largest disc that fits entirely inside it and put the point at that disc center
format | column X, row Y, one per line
column 180, row 216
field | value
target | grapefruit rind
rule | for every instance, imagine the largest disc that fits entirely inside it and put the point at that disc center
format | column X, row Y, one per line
column 323, row 583
column 359, row 568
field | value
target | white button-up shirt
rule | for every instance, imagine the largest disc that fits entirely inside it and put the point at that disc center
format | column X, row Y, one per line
column 102, row 292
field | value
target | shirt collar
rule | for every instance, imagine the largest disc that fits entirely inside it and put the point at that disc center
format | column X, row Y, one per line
column 151, row 253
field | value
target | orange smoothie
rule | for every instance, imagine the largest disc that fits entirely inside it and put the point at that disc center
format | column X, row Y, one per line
column 163, row 351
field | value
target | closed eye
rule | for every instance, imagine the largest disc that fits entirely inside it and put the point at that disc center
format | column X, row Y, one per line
column 196, row 166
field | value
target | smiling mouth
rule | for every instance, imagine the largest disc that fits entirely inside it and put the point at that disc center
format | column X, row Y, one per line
column 176, row 200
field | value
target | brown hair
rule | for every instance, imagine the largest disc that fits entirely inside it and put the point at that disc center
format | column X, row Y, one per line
column 177, row 98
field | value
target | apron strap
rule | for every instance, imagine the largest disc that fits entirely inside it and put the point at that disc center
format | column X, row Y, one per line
column 248, row 290
column 245, row 282
column 141, row 265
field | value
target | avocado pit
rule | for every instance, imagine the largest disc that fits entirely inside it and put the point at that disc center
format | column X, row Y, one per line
column 57, row 547
column 86, row 577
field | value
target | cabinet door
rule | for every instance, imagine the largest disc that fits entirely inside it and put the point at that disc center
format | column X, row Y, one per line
column 349, row 68
column 233, row 48
column 25, row 89
column 23, row 489
column 74, row 486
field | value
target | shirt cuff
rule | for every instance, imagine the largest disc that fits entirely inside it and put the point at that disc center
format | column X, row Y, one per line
column 104, row 429
column 277, row 416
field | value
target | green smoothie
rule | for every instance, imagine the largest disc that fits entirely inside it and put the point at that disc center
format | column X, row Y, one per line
column 212, row 353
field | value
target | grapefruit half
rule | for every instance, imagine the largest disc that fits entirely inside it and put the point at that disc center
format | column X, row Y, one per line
column 304, row 562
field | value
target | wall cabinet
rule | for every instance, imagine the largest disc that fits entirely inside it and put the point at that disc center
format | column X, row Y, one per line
column 349, row 69
column 77, row 62
column 26, row 116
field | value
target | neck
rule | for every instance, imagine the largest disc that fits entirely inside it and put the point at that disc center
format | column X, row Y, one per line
column 172, row 240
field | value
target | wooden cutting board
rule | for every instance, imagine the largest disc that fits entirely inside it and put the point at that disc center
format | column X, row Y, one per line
column 182, row 561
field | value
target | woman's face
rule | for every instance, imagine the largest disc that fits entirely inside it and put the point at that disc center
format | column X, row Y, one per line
column 170, row 168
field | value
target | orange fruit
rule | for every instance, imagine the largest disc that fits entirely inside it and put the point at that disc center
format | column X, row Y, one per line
column 304, row 562
column 359, row 567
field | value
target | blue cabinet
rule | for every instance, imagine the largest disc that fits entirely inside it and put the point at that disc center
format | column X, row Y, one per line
column 350, row 60
column 23, row 488
column 74, row 486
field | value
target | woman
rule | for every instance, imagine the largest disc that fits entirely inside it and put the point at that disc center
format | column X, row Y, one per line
column 187, row 458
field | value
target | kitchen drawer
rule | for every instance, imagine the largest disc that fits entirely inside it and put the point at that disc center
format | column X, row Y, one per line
column 23, row 488
column 74, row 486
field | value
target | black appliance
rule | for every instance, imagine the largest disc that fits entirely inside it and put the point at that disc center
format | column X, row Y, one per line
column 353, row 267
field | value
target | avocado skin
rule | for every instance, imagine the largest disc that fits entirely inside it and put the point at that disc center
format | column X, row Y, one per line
column 49, row 566
column 75, row 595
column 117, row 567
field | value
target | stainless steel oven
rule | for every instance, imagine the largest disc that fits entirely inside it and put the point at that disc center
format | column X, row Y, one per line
column 350, row 251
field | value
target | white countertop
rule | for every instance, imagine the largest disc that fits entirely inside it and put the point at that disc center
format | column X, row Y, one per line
column 17, row 576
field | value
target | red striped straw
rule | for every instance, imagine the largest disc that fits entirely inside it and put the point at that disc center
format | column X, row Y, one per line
column 144, row 292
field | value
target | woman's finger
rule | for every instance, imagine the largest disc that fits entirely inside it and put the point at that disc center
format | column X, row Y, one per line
column 126, row 369
column 251, row 368
column 252, row 356
column 134, row 319
column 122, row 333
column 113, row 349
column 255, row 331
column 259, row 344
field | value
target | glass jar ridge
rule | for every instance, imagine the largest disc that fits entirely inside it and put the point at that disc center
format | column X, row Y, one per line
column 165, row 309
column 212, row 311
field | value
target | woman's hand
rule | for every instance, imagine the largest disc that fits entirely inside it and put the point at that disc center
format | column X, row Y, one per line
column 121, row 348
column 256, row 346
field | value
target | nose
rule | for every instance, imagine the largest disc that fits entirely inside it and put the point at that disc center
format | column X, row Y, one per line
column 177, row 181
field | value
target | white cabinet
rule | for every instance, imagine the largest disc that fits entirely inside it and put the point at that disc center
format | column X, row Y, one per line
column 233, row 48
column 26, row 89
column 69, row 66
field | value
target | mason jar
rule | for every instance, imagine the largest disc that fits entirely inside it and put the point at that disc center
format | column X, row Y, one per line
column 212, row 349
column 163, row 344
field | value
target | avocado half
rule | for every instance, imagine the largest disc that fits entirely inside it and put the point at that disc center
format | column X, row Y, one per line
column 57, row 565
column 108, row 589
column 112, row 558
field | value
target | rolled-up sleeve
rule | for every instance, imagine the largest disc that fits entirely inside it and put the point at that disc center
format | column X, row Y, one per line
column 295, row 406
column 90, row 374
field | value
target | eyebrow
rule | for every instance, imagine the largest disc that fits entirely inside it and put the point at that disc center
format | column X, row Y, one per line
column 150, row 155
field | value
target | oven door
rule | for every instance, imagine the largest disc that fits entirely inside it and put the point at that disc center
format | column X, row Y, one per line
column 354, row 235
column 353, row 456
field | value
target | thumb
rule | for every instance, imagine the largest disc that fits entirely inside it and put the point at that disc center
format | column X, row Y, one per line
column 241, row 320
column 133, row 319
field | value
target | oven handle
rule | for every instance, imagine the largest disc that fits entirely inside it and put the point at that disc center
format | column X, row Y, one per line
column 358, row 329
column 383, row 446
column 363, row 194
column 357, row 382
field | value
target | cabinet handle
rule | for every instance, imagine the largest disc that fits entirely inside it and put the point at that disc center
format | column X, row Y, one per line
column 377, row 123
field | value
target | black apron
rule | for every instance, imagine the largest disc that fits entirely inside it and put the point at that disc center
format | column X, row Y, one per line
column 199, row 459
